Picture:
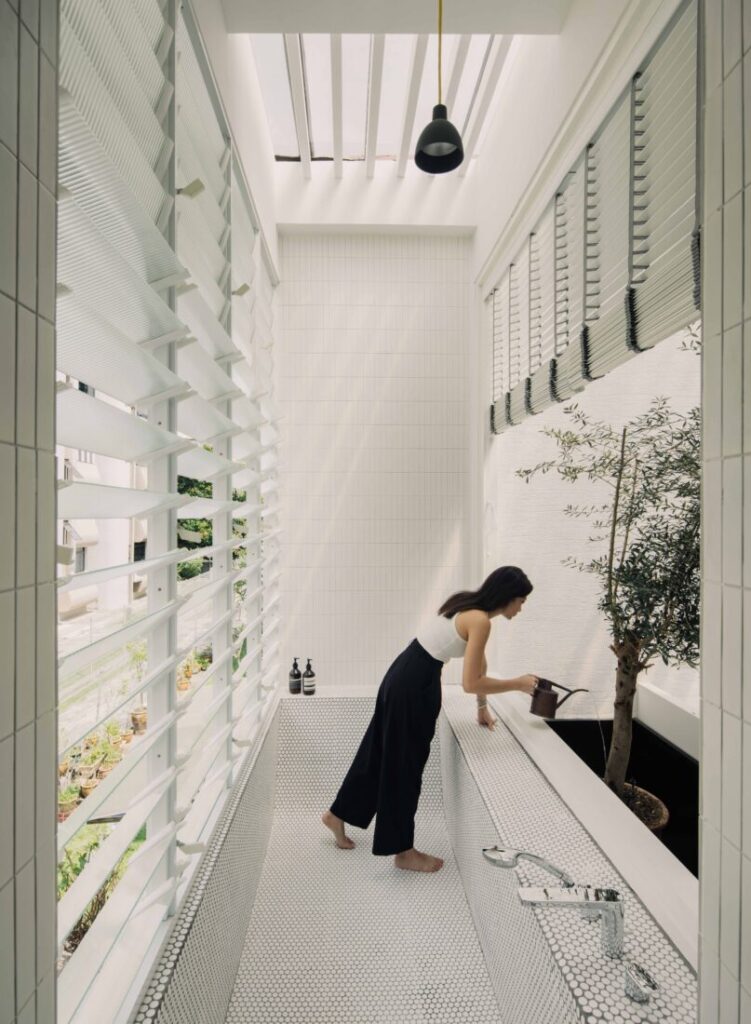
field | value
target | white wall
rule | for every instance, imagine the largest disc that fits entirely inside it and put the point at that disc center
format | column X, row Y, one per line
column 372, row 381
column 725, row 923
column 28, row 684
column 560, row 633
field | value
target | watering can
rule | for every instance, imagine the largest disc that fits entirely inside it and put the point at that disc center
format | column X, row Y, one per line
column 545, row 702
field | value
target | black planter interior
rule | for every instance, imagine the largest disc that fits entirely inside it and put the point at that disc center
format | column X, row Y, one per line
column 656, row 765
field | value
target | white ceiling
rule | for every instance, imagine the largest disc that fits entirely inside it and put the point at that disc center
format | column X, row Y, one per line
column 498, row 17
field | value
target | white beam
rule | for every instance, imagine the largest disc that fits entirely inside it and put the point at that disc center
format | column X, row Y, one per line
column 293, row 51
column 374, row 101
column 336, row 100
column 418, row 63
column 497, row 62
column 462, row 49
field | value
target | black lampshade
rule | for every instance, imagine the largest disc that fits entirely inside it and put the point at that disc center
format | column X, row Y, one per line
column 439, row 148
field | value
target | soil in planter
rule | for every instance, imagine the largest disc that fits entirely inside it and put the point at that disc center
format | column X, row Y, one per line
column 656, row 765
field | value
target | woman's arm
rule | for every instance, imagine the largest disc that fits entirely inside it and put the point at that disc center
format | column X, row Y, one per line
column 474, row 675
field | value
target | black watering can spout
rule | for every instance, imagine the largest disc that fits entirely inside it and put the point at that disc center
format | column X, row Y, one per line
column 545, row 703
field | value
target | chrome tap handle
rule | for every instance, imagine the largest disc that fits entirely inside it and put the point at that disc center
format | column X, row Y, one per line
column 639, row 984
column 605, row 903
column 510, row 858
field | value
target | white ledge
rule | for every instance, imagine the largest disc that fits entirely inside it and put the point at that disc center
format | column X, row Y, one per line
column 666, row 888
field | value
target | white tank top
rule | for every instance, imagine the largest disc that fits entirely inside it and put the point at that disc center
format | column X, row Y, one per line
column 440, row 639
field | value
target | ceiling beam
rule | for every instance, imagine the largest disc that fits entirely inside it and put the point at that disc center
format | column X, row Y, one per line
column 418, row 63
column 462, row 49
column 336, row 100
column 497, row 62
column 293, row 50
column 374, row 101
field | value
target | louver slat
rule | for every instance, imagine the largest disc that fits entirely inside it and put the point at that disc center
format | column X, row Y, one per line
column 665, row 187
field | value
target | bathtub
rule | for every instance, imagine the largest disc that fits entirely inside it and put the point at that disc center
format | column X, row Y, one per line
column 281, row 926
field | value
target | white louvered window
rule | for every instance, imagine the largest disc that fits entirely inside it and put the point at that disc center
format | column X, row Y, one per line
column 168, row 533
column 501, row 351
column 613, row 265
column 665, row 263
column 608, row 170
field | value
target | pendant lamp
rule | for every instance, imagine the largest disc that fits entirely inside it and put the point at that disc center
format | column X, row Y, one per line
column 439, row 148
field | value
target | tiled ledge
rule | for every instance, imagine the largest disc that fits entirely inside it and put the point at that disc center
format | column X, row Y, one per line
column 598, row 845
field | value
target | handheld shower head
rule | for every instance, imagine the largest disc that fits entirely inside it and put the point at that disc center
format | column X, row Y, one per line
column 510, row 858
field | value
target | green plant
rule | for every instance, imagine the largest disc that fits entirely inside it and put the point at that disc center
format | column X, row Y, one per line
column 648, row 537
column 113, row 731
column 203, row 658
column 187, row 570
column 67, row 795
column 75, row 858
column 138, row 657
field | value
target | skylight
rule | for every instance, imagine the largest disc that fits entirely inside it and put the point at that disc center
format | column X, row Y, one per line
column 338, row 74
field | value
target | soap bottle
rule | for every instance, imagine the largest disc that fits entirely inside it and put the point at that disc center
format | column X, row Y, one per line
column 308, row 680
column 295, row 678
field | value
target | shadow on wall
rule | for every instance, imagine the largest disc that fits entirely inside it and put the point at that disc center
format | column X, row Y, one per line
column 561, row 634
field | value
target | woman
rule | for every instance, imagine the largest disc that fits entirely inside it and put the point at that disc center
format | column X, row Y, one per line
column 386, row 775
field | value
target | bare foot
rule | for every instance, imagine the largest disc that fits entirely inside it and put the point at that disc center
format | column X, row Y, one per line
column 337, row 827
column 413, row 860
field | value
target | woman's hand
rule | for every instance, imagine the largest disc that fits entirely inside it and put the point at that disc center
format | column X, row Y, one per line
column 527, row 684
column 486, row 717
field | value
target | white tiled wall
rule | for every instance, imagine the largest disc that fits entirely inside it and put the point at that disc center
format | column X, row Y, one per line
column 725, row 982
column 372, row 381
column 28, row 144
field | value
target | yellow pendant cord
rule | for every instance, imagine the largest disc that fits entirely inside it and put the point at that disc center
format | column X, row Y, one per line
column 440, row 33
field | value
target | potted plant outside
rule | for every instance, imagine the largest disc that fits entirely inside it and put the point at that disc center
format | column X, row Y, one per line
column 139, row 718
column 67, row 800
column 648, row 559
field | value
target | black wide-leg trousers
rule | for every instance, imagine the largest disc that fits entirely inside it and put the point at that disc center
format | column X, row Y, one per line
column 385, row 777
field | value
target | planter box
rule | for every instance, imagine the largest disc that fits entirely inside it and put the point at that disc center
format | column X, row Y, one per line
column 656, row 765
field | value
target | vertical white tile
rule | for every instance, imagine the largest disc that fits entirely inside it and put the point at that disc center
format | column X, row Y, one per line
column 729, row 1007
column 25, row 656
column 46, row 938
column 730, row 920
column 709, row 890
column 46, row 994
column 47, row 124
column 746, row 25
column 7, row 663
column 26, row 481
column 28, row 1013
column 711, row 795
column 732, row 391
column 45, row 516
column 8, row 77
column 712, row 520
column 712, row 383
column 8, row 362
column 732, row 520
column 46, row 777
column 732, row 263
column 745, row 1007
column 746, row 792
column 26, row 359
column 732, row 763
column 709, row 989
column 46, row 266
column 45, row 398
column 8, row 220
column 732, row 641
column 48, row 18
column 746, row 684
column 30, row 16
column 746, row 512
column 8, row 517
column 8, row 947
column 745, row 901
column 747, row 249
column 7, row 850
column 25, row 944
column 712, row 274
column 732, row 34
column 28, row 101
column 27, row 237
column 746, row 398
column 747, row 115
column 24, row 786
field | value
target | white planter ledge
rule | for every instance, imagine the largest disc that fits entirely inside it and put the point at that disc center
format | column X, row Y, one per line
column 662, row 883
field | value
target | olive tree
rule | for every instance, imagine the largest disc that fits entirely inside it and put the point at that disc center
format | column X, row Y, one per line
column 646, row 537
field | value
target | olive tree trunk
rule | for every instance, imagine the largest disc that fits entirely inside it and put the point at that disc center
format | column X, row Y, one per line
column 627, row 671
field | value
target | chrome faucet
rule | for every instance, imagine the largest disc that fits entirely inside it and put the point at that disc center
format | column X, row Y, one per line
column 510, row 858
column 603, row 903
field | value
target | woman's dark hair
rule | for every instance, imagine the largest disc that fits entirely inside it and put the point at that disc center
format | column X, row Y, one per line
column 500, row 588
